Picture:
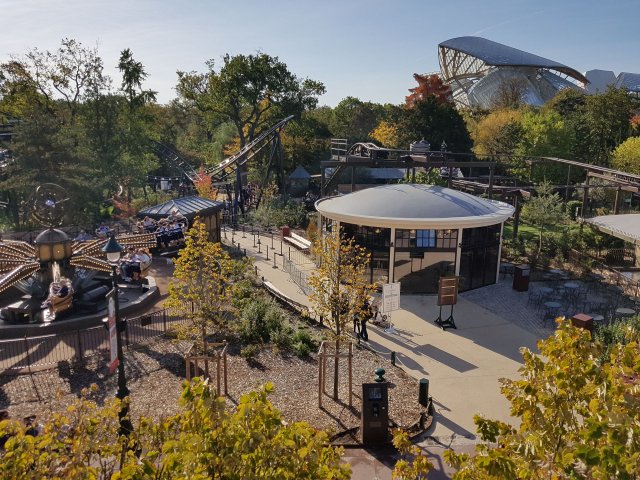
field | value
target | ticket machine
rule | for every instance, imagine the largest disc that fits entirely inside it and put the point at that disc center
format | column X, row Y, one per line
column 374, row 419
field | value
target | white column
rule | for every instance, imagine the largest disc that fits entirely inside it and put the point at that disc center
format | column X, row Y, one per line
column 499, row 254
column 392, row 254
column 459, row 251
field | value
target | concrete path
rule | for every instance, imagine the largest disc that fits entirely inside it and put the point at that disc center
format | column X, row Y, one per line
column 463, row 365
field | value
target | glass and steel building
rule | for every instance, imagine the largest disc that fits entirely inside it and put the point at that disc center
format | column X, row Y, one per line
column 479, row 71
column 419, row 233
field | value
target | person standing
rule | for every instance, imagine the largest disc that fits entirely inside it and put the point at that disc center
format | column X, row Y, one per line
column 366, row 314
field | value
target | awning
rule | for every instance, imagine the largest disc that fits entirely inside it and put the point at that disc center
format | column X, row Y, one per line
column 626, row 227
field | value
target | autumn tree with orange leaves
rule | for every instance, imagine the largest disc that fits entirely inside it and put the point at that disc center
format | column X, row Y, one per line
column 429, row 85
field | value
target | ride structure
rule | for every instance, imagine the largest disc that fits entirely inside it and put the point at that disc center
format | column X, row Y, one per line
column 55, row 269
column 230, row 173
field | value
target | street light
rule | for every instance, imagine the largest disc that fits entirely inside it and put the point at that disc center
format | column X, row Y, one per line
column 113, row 250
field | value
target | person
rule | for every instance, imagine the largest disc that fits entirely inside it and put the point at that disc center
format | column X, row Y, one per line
column 356, row 325
column 126, row 265
column 102, row 231
column 366, row 314
column 83, row 236
column 149, row 225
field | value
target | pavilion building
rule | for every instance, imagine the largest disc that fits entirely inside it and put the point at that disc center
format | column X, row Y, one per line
column 419, row 233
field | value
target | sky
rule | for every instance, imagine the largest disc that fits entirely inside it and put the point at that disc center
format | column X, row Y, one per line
column 368, row 49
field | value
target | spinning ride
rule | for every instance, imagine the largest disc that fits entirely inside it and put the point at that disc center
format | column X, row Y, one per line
column 55, row 268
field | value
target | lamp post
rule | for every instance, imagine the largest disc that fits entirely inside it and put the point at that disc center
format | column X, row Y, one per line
column 113, row 250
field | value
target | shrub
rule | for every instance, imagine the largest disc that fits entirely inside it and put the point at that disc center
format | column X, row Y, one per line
column 260, row 320
column 249, row 351
column 301, row 350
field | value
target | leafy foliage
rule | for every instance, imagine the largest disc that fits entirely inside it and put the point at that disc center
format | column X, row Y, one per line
column 544, row 210
column 203, row 274
column 429, row 85
column 414, row 464
column 339, row 283
column 204, row 441
column 626, row 156
column 580, row 416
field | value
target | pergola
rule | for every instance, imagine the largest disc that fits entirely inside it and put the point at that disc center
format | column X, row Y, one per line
column 625, row 227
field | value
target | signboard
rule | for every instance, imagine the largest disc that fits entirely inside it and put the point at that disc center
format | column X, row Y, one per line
column 113, row 340
column 448, row 291
column 390, row 297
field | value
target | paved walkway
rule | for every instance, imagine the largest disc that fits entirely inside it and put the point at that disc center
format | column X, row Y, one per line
column 463, row 365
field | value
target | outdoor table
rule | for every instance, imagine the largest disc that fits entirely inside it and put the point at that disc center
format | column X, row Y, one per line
column 551, row 309
column 506, row 268
column 597, row 318
column 624, row 312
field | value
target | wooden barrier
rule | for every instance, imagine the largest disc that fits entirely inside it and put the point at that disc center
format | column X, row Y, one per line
column 219, row 357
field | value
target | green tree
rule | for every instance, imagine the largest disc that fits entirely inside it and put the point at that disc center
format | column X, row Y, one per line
column 339, row 284
column 543, row 210
column 436, row 122
column 579, row 412
column 202, row 276
column 607, row 117
column 626, row 156
column 248, row 91
column 354, row 119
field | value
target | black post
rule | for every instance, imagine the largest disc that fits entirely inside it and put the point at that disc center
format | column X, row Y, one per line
column 123, row 392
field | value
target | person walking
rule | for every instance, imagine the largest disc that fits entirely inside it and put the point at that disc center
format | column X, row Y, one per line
column 366, row 314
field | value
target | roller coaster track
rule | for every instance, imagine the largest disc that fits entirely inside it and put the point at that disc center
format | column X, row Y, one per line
column 222, row 172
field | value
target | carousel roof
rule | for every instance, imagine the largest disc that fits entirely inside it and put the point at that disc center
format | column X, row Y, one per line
column 187, row 206
column 414, row 206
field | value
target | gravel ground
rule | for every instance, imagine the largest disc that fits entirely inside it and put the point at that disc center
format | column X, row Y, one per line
column 156, row 370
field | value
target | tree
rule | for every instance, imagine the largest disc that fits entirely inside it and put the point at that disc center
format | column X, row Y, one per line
column 202, row 275
column 386, row 134
column 544, row 210
column 354, row 119
column 429, row 85
column 437, row 123
column 626, row 156
column 339, row 285
column 607, row 117
column 204, row 441
column 499, row 132
column 413, row 464
column 509, row 93
column 249, row 91
column 579, row 412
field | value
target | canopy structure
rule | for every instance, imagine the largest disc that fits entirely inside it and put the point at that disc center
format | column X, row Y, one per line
column 189, row 207
column 478, row 69
column 414, row 206
column 626, row 227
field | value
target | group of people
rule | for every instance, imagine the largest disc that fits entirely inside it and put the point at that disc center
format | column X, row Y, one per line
column 133, row 264
column 360, row 321
column 169, row 231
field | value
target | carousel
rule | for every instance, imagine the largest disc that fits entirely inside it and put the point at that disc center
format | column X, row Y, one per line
column 58, row 275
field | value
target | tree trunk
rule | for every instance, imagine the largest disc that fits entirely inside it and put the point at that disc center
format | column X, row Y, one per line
column 335, row 371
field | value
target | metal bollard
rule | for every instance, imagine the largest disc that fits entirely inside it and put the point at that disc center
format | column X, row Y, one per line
column 393, row 358
column 254, row 240
column 274, row 261
column 267, row 251
column 259, row 245
column 243, row 235
column 272, row 247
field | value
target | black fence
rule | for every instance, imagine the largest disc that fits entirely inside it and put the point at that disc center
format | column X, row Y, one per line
column 46, row 351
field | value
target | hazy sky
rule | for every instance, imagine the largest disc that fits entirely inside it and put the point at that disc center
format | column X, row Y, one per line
column 367, row 49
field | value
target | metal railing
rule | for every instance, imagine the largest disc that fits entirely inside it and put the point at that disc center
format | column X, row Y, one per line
column 46, row 351
column 611, row 275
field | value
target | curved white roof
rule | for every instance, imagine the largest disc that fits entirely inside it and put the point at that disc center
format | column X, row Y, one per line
column 626, row 227
column 414, row 207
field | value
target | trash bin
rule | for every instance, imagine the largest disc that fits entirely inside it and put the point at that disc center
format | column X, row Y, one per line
column 521, row 276
column 286, row 231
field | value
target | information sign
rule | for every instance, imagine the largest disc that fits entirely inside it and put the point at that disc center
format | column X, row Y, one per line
column 390, row 297
column 448, row 291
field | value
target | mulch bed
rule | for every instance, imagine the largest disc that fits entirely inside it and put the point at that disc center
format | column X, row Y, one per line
column 156, row 370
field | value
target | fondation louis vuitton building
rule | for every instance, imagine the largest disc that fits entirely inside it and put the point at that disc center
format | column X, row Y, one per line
column 481, row 71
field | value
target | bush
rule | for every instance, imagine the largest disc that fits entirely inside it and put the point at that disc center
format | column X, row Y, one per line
column 303, row 343
column 249, row 351
column 260, row 321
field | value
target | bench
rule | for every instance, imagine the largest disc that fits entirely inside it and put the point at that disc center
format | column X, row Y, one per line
column 298, row 241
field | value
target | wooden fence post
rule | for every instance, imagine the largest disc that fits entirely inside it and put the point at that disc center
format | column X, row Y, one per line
column 350, row 373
